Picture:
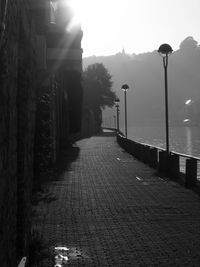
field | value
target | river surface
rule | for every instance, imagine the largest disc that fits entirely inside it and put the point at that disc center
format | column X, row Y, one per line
column 184, row 140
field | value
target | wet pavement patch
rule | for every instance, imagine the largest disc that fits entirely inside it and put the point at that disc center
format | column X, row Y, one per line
column 64, row 255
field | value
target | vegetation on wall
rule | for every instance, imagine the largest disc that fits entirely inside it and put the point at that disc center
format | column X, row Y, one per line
column 43, row 155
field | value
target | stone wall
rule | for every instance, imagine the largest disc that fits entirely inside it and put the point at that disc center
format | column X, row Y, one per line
column 25, row 123
column 22, row 76
column 8, row 136
column 17, row 108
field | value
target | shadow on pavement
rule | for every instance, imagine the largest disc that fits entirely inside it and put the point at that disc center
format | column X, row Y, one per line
column 65, row 160
column 41, row 252
column 41, row 192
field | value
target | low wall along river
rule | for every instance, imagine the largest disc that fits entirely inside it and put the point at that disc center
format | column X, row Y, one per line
column 174, row 164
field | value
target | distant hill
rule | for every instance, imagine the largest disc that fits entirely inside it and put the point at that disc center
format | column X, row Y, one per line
column 145, row 75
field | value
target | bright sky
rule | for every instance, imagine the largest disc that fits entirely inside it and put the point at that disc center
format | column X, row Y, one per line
column 136, row 25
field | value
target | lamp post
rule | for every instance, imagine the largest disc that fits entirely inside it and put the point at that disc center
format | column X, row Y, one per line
column 165, row 50
column 117, row 106
column 125, row 87
column 115, row 122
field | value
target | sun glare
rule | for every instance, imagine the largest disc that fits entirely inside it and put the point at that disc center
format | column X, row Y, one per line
column 101, row 21
column 109, row 25
column 95, row 12
column 137, row 26
column 78, row 9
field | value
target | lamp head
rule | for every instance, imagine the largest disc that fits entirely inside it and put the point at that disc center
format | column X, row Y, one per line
column 165, row 49
column 125, row 87
column 117, row 100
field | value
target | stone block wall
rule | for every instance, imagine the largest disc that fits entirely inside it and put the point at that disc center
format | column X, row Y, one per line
column 8, row 135
column 25, row 123
column 17, row 109
column 21, row 26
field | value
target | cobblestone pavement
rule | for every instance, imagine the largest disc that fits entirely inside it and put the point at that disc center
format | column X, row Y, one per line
column 112, row 210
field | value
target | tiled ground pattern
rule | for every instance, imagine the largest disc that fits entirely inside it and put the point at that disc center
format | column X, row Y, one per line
column 117, row 212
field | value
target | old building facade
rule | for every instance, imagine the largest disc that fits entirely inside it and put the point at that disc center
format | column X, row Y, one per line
column 37, row 53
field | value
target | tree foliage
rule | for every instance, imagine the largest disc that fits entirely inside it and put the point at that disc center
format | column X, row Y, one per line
column 189, row 44
column 97, row 86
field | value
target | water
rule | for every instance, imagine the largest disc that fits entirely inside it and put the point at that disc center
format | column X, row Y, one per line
column 184, row 140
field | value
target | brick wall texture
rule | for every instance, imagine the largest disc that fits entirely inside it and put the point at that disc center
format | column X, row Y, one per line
column 17, row 109
column 22, row 24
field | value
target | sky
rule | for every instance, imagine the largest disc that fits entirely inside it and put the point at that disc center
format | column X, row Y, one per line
column 137, row 26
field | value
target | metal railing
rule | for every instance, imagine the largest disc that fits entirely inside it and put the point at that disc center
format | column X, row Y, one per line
column 174, row 164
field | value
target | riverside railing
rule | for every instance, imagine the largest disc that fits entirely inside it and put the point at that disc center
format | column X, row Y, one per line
column 174, row 164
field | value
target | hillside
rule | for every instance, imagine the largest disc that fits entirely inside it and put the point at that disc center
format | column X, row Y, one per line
column 145, row 75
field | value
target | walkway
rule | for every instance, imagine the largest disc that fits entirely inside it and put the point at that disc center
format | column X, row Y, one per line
column 109, row 209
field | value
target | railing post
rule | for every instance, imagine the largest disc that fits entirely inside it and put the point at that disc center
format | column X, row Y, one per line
column 141, row 152
column 163, row 163
column 146, row 154
column 153, row 161
column 132, row 146
column 138, row 151
column 168, row 163
column 174, row 165
column 191, row 172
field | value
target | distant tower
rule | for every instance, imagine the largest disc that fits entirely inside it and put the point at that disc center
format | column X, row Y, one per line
column 123, row 51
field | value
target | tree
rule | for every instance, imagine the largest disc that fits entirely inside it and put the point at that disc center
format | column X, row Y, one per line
column 97, row 85
column 189, row 44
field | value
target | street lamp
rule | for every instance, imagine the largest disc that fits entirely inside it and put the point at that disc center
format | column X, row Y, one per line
column 117, row 106
column 125, row 87
column 165, row 50
column 115, row 124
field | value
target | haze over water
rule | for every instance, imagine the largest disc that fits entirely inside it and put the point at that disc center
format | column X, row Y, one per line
column 182, row 139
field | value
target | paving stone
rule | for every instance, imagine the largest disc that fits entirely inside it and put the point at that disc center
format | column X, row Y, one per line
column 117, row 212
